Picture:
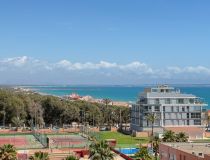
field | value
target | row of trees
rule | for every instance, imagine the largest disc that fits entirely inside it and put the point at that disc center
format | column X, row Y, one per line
column 20, row 108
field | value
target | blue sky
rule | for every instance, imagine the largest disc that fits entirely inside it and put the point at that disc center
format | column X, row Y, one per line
column 123, row 41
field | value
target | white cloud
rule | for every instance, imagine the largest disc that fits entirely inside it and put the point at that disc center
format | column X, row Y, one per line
column 12, row 68
column 190, row 69
column 88, row 65
column 17, row 61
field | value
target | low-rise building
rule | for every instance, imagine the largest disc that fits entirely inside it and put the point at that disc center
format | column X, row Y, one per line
column 184, row 151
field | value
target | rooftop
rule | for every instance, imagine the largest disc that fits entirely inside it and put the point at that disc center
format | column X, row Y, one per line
column 198, row 149
column 169, row 95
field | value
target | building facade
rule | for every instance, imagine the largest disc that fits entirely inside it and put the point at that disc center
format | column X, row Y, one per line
column 170, row 106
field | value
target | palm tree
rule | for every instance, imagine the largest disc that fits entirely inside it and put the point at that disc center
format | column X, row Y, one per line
column 181, row 137
column 143, row 154
column 152, row 117
column 40, row 156
column 169, row 136
column 100, row 151
column 8, row 152
column 155, row 143
column 17, row 122
column 71, row 157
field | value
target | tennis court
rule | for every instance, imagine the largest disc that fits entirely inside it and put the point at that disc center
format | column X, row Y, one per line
column 67, row 141
column 20, row 141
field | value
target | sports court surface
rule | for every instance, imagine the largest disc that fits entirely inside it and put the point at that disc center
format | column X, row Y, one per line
column 20, row 141
column 67, row 141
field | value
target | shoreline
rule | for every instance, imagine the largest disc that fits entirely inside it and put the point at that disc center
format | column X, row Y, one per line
column 86, row 98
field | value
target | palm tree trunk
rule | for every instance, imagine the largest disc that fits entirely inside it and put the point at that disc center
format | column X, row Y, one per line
column 152, row 129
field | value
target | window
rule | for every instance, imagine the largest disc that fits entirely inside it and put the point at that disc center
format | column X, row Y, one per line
column 188, row 122
column 180, row 101
column 172, row 109
column 177, row 108
column 157, row 108
column 188, row 115
column 147, row 123
column 142, row 100
column 157, row 101
column 168, row 101
column 191, row 101
column 197, row 122
column 150, row 109
column 188, row 108
column 195, row 115
column 169, row 115
column 196, row 108
column 183, row 109
column 164, row 108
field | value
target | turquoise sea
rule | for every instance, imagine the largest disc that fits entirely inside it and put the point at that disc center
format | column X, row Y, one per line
column 118, row 93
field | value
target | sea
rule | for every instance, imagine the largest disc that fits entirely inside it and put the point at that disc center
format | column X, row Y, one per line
column 117, row 93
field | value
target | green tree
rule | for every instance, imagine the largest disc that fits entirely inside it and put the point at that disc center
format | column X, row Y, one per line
column 169, row 136
column 181, row 137
column 152, row 117
column 107, row 111
column 143, row 154
column 17, row 122
column 71, row 157
column 100, row 151
column 155, row 143
column 40, row 156
column 70, row 114
column 53, row 108
column 8, row 152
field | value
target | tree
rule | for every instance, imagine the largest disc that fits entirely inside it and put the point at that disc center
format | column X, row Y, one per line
column 35, row 111
column 143, row 154
column 106, row 101
column 181, row 137
column 155, row 143
column 152, row 117
column 169, row 136
column 107, row 111
column 17, row 122
column 8, row 152
column 71, row 157
column 100, row 151
column 40, row 156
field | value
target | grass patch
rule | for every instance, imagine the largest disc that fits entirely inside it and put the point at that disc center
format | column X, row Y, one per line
column 202, row 141
column 124, row 141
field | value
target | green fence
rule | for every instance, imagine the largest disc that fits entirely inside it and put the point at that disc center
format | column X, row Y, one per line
column 42, row 138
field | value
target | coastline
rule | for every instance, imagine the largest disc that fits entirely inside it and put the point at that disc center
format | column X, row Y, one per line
column 87, row 98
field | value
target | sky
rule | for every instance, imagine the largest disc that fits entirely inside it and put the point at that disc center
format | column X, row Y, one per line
column 104, row 41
